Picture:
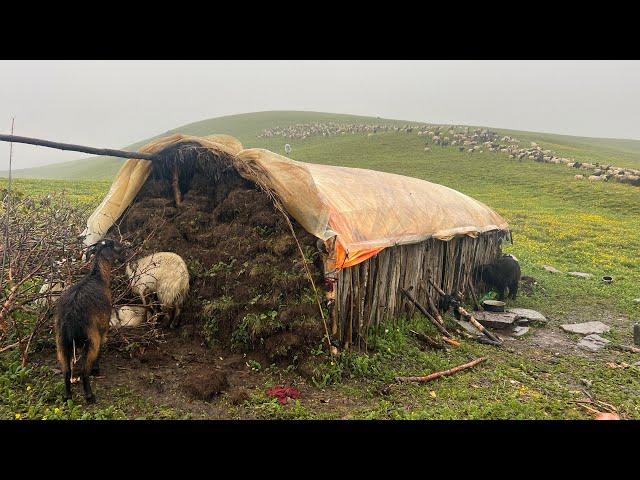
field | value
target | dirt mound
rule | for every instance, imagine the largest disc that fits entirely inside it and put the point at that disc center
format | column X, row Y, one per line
column 238, row 396
column 206, row 386
column 249, row 289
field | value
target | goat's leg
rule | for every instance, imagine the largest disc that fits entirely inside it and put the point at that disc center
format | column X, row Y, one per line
column 95, row 369
column 92, row 352
column 64, row 358
column 66, row 372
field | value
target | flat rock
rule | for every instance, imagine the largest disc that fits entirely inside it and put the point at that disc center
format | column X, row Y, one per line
column 519, row 331
column 525, row 316
column 637, row 300
column 580, row 274
column 551, row 269
column 585, row 328
column 496, row 319
column 593, row 342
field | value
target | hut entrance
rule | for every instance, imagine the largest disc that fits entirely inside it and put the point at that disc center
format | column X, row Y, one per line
column 249, row 289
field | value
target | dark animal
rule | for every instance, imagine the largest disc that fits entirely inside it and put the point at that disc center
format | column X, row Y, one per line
column 82, row 318
column 502, row 274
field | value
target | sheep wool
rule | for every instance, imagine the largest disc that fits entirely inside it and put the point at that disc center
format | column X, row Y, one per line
column 163, row 273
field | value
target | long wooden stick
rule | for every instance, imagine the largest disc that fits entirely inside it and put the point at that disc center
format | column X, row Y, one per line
column 477, row 324
column 445, row 373
column 424, row 311
column 427, row 339
column 474, row 297
column 624, row 348
column 76, row 148
column 175, row 184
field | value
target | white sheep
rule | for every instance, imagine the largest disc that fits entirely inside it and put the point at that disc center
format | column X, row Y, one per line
column 166, row 275
column 578, row 177
column 55, row 290
column 127, row 316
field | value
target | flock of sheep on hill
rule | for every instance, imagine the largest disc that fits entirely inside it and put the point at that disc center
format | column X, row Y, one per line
column 466, row 139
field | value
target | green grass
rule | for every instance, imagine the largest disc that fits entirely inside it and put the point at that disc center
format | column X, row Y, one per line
column 574, row 226
column 87, row 192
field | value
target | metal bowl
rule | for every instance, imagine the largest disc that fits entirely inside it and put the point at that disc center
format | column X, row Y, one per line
column 493, row 305
column 607, row 279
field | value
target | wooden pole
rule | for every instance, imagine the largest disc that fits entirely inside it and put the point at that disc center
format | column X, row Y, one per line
column 424, row 311
column 175, row 184
column 445, row 373
column 76, row 148
column 478, row 325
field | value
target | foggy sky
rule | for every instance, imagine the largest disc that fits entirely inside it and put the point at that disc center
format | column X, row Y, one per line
column 116, row 103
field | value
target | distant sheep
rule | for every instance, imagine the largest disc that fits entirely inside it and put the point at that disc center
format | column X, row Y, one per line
column 166, row 275
column 579, row 177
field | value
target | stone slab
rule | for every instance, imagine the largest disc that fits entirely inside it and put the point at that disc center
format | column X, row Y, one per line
column 585, row 328
column 496, row 320
column 525, row 316
column 593, row 342
column 519, row 331
column 580, row 274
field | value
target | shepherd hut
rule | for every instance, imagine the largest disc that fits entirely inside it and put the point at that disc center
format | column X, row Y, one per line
column 374, row 233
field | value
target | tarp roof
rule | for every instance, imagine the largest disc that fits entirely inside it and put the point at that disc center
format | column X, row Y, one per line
column 366, row 210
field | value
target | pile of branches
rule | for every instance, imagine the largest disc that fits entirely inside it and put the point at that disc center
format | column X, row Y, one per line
column 40, row 245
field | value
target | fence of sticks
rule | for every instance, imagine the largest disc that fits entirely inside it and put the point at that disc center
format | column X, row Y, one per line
column 370, row 292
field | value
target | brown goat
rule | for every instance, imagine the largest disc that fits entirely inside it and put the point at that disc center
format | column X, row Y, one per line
column 82, row 317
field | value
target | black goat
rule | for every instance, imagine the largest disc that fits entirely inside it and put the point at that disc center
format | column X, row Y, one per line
column 502, row 274
column 82, row 317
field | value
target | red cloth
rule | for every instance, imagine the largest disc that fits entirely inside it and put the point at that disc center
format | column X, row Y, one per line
column 283, row 393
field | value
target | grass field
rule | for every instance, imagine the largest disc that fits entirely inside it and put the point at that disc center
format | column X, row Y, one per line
column 573, row 226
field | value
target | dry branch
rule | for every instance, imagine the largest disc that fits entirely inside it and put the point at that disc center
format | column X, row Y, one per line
column 451, row 341
column 428, row 340
column 478, row 325
column 77, row 148
column 444, row 373
column 624, row 348
column 440, row 328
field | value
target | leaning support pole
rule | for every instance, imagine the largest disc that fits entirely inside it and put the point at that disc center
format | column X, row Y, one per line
column 424, row 311
column 76, row 148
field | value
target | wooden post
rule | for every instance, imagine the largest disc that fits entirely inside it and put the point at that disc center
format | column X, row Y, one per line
column 175, row 183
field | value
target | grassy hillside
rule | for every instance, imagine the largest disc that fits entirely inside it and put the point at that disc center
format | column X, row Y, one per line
column 246, row 127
